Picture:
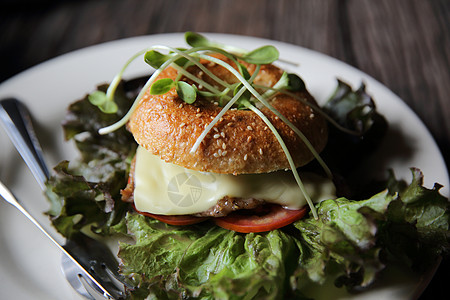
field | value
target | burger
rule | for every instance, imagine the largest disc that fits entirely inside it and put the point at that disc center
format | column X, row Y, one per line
column 239, row 163
column 213, row 174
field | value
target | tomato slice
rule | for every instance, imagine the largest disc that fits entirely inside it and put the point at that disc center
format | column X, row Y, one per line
column 174, row 219
column 270, row 217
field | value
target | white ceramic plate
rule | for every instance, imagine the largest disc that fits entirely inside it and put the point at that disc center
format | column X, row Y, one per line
column 30, row 264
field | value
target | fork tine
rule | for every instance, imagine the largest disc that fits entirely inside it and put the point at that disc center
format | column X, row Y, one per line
column 116, row 278
column 93, row 292
column 72, row 275
column 91, row 254
column 101, row 258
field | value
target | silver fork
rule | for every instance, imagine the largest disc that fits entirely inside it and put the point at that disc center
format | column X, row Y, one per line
column 88, row 265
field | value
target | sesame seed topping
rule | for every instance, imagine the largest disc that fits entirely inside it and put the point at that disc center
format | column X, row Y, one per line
column 198, row 109
column 222, row 134
column 198, row 115
column 245, row 157
column 216, row 155
column 249, row 127
column 224, row 146
column 311, row 116
column 216, row 136
column 265, row 128
column 180, row 106
column 182, row 124
column 216, row 103
column 159, row 106
column 249, row 138
column 219, row 152
column 215, row 129
column 260, row 151
column 224, row 153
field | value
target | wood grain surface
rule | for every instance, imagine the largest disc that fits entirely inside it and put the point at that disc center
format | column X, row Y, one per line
column 404, row 44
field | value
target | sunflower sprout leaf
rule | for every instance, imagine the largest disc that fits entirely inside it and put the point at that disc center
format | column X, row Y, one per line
column 161, row 86
column 186, row 92
column 196, row 40
column 97, row 98
column 261, row 56
column 109, row 107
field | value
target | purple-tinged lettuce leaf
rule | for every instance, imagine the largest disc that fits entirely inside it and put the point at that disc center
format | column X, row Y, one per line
column 86, row 192
column 356, row 111
column 405, row 223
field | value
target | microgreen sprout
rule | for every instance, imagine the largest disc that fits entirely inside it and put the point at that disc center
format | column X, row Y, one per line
column 105, row 101
column 162, row 86
column 316, row 108
column 186, row 92
column 261, row 56
column 148, row 84
column 197, row 40
column 280, row 140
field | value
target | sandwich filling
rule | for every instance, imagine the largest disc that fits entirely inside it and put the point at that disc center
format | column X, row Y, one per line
column 168, row 189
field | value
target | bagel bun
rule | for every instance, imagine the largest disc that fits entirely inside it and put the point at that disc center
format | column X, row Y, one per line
column 240, row 143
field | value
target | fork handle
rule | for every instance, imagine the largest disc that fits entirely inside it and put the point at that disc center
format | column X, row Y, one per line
column 18, row 125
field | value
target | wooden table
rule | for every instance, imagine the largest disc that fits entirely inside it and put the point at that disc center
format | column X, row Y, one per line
column 403, row 44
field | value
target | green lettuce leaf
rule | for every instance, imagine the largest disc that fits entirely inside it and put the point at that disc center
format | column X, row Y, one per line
column 345, row 238
column 206, row 261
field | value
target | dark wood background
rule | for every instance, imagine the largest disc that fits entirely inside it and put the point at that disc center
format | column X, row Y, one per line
column 404, row 44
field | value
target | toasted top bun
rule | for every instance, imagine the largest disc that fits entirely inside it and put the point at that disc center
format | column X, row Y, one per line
column 240, row 142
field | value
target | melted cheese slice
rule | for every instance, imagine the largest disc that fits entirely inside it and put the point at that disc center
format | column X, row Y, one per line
column 167, row 189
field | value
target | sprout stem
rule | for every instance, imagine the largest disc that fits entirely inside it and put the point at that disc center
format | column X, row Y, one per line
column 116, row 80
column 196, row 62
column 216, row 119
column 196, row 79
column 124, row 120
column 288, row 156
column 313, row 106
